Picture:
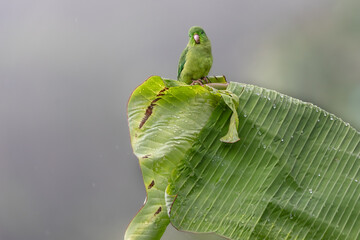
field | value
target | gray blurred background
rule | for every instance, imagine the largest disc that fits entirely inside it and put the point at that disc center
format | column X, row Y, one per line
column 68, row 67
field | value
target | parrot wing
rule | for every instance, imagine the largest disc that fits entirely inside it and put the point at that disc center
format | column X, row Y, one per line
column 182, row 62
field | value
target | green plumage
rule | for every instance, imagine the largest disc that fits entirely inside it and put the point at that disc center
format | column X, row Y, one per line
column 196, row 59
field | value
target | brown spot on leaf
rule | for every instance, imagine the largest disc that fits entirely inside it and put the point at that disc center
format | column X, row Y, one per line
column 161, row 92
column 157, row 211
column 149, row 109
column 151, row 184
column 146, row 156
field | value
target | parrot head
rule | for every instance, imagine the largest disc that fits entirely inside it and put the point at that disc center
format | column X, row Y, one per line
column 197, row 35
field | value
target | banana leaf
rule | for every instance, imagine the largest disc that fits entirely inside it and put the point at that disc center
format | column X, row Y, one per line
column 244, row 163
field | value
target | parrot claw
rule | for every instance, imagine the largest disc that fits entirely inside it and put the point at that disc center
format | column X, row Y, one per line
column 205, row 79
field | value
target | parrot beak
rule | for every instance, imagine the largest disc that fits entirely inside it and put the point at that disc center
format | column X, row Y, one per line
column 197, row 39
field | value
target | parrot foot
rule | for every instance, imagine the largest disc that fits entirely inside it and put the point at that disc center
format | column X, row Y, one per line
column 199, row 81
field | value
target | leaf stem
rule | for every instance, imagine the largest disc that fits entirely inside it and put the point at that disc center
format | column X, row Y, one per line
column 219, row 86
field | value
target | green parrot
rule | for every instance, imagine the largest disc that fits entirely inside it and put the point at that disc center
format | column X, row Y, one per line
column 196, row 59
